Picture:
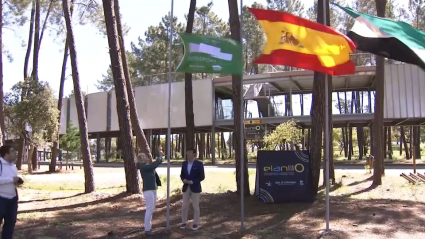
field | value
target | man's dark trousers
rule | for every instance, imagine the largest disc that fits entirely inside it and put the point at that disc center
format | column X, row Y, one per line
column 8, row 213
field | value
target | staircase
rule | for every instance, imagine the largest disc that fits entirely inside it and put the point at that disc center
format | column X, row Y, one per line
column 265, row 107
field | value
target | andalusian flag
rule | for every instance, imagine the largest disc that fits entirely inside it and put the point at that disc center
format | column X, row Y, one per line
column 208, row 54
column 384, row 37
column 297, row 42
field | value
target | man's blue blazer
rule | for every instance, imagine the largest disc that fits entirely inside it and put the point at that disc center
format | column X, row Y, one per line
column 196, row 175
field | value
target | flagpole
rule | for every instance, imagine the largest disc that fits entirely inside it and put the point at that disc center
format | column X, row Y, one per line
column 169, row 114
column 241, row 127
column 327, row 130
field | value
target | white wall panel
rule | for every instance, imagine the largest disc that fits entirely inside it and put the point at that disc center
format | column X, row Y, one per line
column 73, row 112
column 64, row 116
column 114, row 116
column 97, row 111
column 404, row 85
column 152, row 104
column 203, row 102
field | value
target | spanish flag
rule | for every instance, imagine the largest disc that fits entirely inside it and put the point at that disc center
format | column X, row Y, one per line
column 297, row 42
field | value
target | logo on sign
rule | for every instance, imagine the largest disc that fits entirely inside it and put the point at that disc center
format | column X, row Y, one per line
column 299, row 168
column 216, row 67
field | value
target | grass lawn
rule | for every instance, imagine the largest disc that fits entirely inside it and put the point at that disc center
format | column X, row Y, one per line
column 52, row 206
column 338, row 158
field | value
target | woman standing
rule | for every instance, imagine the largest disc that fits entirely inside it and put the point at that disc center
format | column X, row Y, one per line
column 150, row 185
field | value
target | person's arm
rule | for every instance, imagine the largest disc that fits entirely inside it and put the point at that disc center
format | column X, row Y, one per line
column 152, row 166
column 201, row 174
column 182, row 174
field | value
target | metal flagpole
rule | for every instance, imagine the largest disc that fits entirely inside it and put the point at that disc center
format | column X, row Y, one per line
column 327, row 130
column 169, row 114
column 241, row 127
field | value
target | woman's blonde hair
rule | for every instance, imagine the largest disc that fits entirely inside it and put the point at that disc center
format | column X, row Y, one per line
column 142, row 158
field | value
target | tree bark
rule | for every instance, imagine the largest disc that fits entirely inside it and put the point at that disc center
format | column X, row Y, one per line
column 237, row 104
column 390, row 144
column 34, row 159
column 36, row 47
column 89, row 185
column 416, row 142
column 404, row 141
column 141, row 138
column 45, row 21
column 360, row 132
column 188, row 90
column 132, row 177
column 378, row 124
column 317, row 122
column 55, row 148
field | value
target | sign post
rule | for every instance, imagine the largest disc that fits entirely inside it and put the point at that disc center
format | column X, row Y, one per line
column 254, row 130
column 283, row 177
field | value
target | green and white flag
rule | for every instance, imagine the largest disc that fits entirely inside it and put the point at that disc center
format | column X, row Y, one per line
column 208, row 54
column 395, row 40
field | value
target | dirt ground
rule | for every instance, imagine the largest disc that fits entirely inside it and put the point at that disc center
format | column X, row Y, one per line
column 394, row 210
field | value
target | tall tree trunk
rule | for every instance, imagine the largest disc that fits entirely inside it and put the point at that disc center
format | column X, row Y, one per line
column 343, row 128
column 317, row 122
column 416, row 142
column 132, row 177
column 235, row 28
column 411, row 141
column 141, row 138
column 55, row 148
column 346, row 128
column 22, row 143
column 401, row 142
column 378, row 123
column 35, row 62
column 390, row 144
column 49, row 9
column 317, row 118
column 360, row 133
column 34, row 159
column 230, row 144
column 321, row 12
column 404, row 141
column 82, row 121
column 2, row 124
column 36, row 47
column 188, row 90
column 385, row 141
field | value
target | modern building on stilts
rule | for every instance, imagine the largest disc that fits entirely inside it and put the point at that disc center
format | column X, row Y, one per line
column 271, row 98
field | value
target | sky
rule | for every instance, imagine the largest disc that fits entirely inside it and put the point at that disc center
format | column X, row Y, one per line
column 92, row 50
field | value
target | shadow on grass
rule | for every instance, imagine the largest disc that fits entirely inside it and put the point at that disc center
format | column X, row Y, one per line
column 333, row 187
column 221, row 218
column 51, row 199
column 78, row 205
column 361, row 181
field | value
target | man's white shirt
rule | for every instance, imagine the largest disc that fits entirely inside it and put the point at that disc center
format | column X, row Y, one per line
column 7, row 186
column 189, row 166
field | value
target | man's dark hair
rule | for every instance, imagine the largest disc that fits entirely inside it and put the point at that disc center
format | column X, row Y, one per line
column 193, row 150
column 5, row 149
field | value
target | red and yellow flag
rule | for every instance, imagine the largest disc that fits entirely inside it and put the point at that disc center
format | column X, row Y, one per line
column 297, row 42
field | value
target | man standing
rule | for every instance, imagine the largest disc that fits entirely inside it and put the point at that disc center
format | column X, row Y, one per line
column 150, row 185
column 192, row 174
column 8, row 193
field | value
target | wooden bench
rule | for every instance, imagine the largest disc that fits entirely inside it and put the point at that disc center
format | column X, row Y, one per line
column 70, row 164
